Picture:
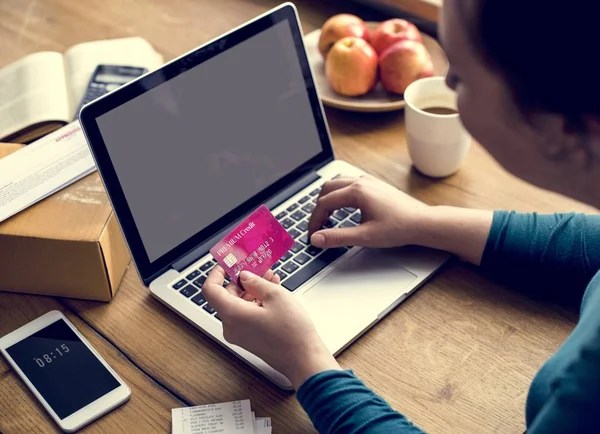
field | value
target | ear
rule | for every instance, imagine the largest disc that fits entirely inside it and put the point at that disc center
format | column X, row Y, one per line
column 592, row 126
column 556, row 135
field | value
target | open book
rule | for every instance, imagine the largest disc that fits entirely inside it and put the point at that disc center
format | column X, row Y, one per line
column 42, row 91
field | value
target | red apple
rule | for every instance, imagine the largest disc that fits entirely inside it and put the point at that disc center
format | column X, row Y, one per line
column 402, row 63
column 351, row 66
column 338, row 27
column 392, row 31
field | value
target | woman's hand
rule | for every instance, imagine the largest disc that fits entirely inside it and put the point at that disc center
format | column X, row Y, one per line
column 389, row 217
column 270, row 323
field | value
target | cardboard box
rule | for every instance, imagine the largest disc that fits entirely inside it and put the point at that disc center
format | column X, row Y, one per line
column 68, row 245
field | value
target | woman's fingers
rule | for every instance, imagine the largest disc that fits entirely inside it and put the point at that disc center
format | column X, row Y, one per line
column 330, row 202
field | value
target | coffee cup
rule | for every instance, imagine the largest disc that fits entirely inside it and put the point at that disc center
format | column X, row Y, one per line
column 437, row 140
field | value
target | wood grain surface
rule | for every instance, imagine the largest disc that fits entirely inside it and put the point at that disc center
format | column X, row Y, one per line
column 457, row 357
column 148, row 409
column 427, row 9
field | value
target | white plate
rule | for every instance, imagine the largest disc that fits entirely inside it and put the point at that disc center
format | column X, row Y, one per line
column 378, row 100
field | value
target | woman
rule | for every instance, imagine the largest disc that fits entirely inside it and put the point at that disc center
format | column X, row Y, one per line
column 527, row 92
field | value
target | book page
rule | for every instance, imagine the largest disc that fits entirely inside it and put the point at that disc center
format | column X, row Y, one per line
column 33, row 90
column 81, row 61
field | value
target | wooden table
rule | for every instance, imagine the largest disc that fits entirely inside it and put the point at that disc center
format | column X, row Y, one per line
column 457, row 357
column 427, row 9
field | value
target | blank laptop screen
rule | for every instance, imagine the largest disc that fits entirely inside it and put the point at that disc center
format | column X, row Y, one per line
column 195, row 147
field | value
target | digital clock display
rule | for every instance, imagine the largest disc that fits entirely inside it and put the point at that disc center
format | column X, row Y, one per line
column 62, row 368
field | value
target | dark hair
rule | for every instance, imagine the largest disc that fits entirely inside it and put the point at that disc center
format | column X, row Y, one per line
column 548, row 51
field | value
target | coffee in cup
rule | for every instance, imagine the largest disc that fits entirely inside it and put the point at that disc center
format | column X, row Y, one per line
column 440, row 110
column 437, row 140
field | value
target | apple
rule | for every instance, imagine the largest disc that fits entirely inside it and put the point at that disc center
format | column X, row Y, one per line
column 338, row 27
column 402, row 63
column 351, row 66
column 392, row 31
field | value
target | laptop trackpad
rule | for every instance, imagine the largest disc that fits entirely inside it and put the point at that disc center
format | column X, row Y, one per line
column 350, row 297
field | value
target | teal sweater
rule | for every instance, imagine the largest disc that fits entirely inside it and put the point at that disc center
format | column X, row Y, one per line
column 554, row 257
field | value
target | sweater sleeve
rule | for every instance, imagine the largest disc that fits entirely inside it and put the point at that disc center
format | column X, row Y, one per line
column 574, row 394
column 550, row 256
column 338, row 402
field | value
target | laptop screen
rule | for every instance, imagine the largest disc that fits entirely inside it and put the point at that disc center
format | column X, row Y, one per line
column 197, row 146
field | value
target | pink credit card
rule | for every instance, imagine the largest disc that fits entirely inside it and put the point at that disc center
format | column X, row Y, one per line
column 254, row 245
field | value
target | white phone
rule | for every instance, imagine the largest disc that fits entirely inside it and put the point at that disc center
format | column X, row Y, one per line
column 70, row 379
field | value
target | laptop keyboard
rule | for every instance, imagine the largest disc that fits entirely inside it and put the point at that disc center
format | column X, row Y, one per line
column 296, row 267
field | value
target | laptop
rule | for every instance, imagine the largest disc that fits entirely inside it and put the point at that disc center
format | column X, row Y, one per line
column 187, row 151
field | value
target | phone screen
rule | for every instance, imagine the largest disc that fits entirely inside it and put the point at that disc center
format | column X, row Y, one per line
column 62, row 368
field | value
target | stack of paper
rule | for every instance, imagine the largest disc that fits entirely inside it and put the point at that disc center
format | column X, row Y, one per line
column 225, row 417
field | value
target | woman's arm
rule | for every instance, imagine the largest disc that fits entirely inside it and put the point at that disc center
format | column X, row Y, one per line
column 279, row 331
column 338, row 402
column 540, row 254
column 550, row 256
column 461, row 231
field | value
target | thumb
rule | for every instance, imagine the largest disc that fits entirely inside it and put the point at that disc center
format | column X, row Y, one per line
column 257, row 286
column 339, row 237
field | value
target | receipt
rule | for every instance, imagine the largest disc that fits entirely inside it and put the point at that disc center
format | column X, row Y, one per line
column 226, row 417
column 262, row 425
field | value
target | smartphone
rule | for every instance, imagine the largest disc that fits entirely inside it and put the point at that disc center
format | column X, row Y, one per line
column 69, row 378
column 107, row 78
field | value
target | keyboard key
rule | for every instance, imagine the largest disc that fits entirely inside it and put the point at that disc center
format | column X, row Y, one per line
column 294, row 233
column 356, row 217
column 298, row 215
column 193, row 275
column 304, row 239
column 285, row 257
column 226, row 282
column 281, row 274
column 313, row 251
column 302, row 226
column 281, row 215
column 292, row 207
column 200, row 281
column 313, row 267
column 275, row 265
column 347, row 224
column 297, row 247
column 199, row 299
column 315, row 192
column 287, row 223
column 302, row 258
column 304, row 199
column 207, row 266
column 217, row 316
column 207, row 307
column 308, row 208
column 289, row 267
column 188, row 291
column 180, row 284
column 340, row 214
column 330, row 223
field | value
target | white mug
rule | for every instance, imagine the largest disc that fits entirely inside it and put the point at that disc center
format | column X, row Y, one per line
column 437, row 143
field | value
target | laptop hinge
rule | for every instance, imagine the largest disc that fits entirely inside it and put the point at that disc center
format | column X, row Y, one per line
column 272, row 203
